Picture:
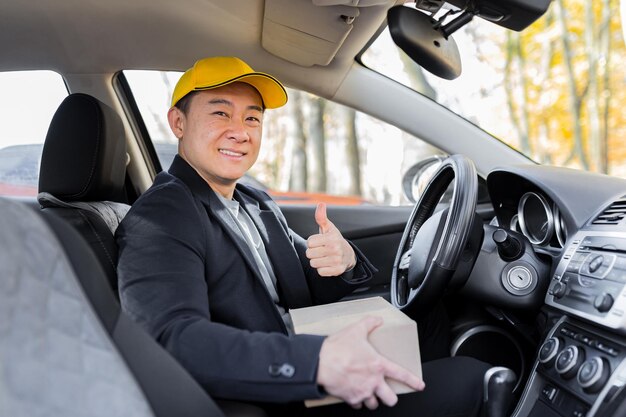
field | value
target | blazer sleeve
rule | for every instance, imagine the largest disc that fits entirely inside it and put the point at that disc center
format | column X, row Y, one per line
column 162, row 286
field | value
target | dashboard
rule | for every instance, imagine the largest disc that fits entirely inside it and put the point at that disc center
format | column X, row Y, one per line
column 576, row 224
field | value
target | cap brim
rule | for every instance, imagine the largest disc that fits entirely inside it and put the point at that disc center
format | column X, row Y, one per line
column 271, row 90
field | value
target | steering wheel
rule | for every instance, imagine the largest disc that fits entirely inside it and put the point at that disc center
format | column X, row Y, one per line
column 431, row 245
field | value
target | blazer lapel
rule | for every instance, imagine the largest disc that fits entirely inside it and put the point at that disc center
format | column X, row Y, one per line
column 222, row 215
column 215, row 209
column 292, row 284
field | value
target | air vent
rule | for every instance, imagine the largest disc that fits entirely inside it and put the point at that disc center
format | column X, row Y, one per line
column 614, row 214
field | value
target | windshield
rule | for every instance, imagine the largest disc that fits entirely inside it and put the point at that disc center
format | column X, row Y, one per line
column 555, row 92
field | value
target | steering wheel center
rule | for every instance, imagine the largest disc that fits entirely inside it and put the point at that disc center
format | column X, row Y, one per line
column 424, row 247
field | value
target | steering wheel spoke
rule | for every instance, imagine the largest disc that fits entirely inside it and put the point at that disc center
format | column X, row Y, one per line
column 405, row 260
column 403, row 290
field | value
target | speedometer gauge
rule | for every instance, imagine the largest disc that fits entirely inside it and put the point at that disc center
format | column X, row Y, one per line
column 514, row 223
column 535, row 218
column 559, row 226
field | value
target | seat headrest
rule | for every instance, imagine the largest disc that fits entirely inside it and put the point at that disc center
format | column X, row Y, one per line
column 84, row 155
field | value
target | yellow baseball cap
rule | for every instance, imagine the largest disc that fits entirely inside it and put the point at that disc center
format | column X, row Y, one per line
column 219, row 71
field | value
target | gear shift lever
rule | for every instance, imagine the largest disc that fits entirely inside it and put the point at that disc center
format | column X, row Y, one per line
column 498, row 391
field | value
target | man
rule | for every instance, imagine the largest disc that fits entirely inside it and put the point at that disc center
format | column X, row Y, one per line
column 210, row 268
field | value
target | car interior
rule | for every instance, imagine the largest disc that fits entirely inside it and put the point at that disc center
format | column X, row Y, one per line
column 532, row 275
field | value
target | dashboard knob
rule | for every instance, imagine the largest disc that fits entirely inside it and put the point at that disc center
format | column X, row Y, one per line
column 569, row 360
column 595, row 263
column 593, row 374
column 603, row 302
column 559, row 289
column 549, row 349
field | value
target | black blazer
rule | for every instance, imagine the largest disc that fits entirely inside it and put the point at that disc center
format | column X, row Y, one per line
column 189, row 278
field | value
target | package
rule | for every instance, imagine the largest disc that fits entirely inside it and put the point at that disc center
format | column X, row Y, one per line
column 396, row 339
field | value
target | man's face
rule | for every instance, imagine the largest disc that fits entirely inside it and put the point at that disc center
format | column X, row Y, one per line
column 220, row 135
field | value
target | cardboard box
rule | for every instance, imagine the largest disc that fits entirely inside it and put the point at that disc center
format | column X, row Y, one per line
column 396, row 339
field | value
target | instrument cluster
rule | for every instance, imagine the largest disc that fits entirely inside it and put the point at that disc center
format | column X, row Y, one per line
column 539, row 220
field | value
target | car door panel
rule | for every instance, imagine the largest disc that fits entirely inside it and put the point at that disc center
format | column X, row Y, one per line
column 375, row 230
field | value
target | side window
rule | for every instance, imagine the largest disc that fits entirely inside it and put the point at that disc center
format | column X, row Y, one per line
column 313, row 149
column 30, row 99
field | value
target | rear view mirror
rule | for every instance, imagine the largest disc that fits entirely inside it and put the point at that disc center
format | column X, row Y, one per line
column 414, row 33
column 427, row 39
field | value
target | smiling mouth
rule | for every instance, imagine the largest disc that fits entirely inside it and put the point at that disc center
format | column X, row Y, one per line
column 230, row 153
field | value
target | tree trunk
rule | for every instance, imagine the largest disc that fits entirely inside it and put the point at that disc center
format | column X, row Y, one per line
column 547, row 54
column 593, row 111
column 317, row 139
column 352, row 153
column 575, row 98
column 514, row 54
column 523, row 97
column 298, row 177
column 605, row 48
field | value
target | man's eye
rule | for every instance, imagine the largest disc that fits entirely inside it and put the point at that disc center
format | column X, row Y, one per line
column 220, row 113
column 254, row 119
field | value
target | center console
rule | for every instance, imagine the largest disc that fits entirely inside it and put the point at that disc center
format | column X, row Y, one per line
column 590, row 278
column 580, row 370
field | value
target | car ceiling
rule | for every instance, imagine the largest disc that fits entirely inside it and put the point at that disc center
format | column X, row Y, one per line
column 88, row 41
column 62, row 35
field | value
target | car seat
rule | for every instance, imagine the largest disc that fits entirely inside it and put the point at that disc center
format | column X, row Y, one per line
column 82, row 185
column 83, row 172
column 63, row 350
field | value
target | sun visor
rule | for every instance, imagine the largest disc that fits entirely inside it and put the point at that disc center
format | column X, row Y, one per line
column 306, row 34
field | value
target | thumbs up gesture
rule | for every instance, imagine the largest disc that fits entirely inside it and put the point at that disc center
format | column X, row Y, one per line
column 328, row 251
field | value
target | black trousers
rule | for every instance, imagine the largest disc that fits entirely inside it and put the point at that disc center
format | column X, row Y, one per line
column 454, row 386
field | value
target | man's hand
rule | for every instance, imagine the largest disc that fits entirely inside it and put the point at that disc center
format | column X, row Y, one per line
column 351, row 369
column 328, row 251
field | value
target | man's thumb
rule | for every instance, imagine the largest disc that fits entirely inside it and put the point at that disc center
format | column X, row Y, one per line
column 321, row 219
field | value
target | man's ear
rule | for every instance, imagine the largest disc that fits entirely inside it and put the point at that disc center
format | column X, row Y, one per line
column 176, row 120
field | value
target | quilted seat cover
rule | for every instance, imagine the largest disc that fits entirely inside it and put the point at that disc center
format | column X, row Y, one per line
column 55, row 357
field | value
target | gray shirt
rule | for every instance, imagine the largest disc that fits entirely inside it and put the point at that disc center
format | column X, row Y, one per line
column 251, row 235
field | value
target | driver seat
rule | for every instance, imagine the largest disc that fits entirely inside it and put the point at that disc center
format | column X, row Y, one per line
column 83, row 200
column 64, row 351
column 83, row 173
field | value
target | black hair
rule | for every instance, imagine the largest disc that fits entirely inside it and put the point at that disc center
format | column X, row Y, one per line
column 183, row 103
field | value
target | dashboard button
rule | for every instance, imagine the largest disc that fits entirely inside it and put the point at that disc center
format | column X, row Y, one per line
column 587, row 371
column 559, row 289
column 603, row 302
column 586, row 282
column 549, row 349
column 549, row 392
column 569, row 360
column 595, row 263
column 620, row 262
column 593, row 374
